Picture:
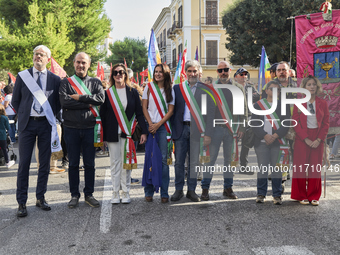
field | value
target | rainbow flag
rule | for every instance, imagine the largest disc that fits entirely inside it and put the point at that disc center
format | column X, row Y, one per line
column 177, row 78
column 196, row 54
column 154, row 57
column 264, row 75
column 184, row 60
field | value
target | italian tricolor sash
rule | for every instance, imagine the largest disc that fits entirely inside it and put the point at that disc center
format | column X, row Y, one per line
column 197, row 115
column 128, row 127
column 283, row 159
column 81, row 89
column 162, row 110
column 226, row 114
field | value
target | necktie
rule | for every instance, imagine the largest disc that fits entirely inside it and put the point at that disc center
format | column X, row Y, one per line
column 36, row 106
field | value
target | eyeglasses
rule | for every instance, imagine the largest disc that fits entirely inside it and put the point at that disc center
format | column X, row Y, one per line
column 223, row 69
column 312, row 111
column 281, row 70
column 39, row 54
column 243, row 74
column 120, row 72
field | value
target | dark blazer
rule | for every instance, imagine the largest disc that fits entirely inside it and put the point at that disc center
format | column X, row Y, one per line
column 109, row 120
column 322, row 117
column 177, row 118
column 259, row 131
column 22, row 99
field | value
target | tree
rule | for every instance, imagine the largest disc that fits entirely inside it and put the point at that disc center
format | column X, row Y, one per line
column 130, row 49
column 65, row 26
column 250, row 24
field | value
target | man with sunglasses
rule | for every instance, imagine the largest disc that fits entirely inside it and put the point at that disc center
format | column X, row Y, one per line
column 225, row 134
column 79, row 95
column 241, row 76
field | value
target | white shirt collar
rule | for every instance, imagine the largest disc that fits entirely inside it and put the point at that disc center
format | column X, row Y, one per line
column 36, row 70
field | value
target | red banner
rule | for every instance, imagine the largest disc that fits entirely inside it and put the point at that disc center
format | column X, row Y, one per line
column 318, row 54
column 57, row 69
column 12, row 78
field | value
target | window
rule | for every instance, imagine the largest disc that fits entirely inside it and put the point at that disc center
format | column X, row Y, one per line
column 180, row 49
column 174, row 64
column 211, row 12
column 211, row 52
column 180, row 17
column 161, row 40
column 164, row 37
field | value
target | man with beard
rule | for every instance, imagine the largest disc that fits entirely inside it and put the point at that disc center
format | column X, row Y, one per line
column 227, row 133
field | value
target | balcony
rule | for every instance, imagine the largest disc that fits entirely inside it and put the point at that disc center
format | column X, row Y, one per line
column 211, row 21
column 177, row 27
column 170, row 34
column 211, row 61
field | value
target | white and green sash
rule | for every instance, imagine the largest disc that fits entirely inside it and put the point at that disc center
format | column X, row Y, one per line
column 162, row 110
column 81, row 89
column 283, row 158
column 197, row 115
column 37, row 92
column 128, row 127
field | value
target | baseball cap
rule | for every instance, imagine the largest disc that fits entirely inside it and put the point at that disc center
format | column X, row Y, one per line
column 273, row 67
column 241, row 70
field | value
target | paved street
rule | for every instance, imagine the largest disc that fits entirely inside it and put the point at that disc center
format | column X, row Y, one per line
column 218, row 226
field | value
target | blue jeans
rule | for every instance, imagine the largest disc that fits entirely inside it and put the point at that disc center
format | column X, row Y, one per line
column 267, row 156
column 183, row 146
column 163, row 146
column 12, row 128
column 221, row 134
column 80, row 140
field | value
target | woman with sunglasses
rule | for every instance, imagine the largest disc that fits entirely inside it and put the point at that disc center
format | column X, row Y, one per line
column 158, row 104
column 119, row 113
column 311, row 132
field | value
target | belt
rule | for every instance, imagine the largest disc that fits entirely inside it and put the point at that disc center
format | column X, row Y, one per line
column 186, row 123
column 38, row 118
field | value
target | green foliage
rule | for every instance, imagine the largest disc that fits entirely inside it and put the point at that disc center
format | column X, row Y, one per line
column 65, row 26
column 130, row 49
column 4, row 75
column 250, row 24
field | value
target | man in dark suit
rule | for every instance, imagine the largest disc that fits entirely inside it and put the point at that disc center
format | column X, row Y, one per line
column 32, row 123
column 185, row 132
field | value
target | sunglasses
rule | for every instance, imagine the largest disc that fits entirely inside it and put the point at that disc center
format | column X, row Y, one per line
column 120, row 72
column 223, row 69
column 312, row 111
column 243, row 74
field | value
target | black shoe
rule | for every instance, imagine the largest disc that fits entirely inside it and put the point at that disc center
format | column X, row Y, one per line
column 41, row 203
column 193, row 196
column 22, row 211
column 205, row 195
column 134, row 181
column 73, row 202
column 90, row 200
column 177, row 195
column 229, row 193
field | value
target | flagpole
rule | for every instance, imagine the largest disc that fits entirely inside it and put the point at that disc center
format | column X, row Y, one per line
column 200, row 33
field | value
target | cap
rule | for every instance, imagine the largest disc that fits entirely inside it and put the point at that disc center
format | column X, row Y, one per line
column 273, row 67
column 241, row 70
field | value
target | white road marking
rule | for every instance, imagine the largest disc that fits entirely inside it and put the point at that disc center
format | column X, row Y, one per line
column 106, row 210
column 287, row 250
column 163, row 253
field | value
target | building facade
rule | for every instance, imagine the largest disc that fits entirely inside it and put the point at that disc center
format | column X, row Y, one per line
column 199, row 24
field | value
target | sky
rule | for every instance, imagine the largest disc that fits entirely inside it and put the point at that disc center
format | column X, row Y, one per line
column 133, row 18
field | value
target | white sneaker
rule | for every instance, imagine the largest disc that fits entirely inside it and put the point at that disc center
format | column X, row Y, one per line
column 10, row 163
column 126, row 198
column 115, row 198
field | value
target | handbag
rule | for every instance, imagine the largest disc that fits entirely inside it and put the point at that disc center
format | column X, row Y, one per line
column 249, row 138
column 137, row 134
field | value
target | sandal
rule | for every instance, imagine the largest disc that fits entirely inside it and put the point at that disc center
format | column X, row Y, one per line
column 332, row 156
column 304, row 202
column 315, row 202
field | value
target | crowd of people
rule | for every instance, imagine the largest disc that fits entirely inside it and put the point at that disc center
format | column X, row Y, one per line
column 177, row 119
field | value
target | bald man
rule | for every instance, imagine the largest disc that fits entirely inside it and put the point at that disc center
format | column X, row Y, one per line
column 79, row 123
